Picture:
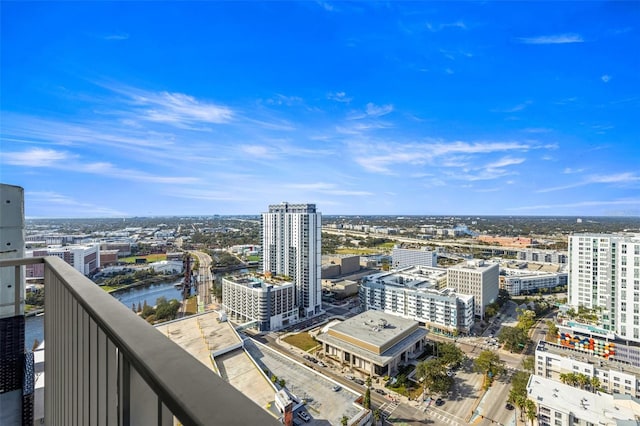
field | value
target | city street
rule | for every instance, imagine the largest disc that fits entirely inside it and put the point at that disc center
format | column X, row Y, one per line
column 204, row 279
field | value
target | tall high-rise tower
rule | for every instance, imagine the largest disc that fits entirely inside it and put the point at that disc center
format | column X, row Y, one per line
column 291, row 246
column 604, row 274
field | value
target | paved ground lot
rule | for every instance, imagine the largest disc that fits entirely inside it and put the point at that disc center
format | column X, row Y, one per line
column 237, row 369
column 323, row 404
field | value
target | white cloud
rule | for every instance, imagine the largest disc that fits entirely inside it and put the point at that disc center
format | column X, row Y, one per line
column 67, row 206
column 515, row 108
column 504, row 162
column 374, row 110
column 439, row 27
column 569, row 171
column 580, row 204
column 605, row 78
column 327, row 188
column 339, row 97
column 117, row 36
column 279, row 99
column 553, row 39
column 36, row 157
column 619, row 178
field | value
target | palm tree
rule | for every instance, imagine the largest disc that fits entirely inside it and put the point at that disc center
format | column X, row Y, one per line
column 595, row 384
column 344, row 420
column 377, row 415
column 564, row 378
column 531, row 410
column 582, row 380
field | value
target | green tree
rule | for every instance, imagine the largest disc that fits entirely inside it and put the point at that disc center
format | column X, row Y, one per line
column 344, row 421
column 377, row 415
column 367, row 399
column 595, row 384
column 434, row 377
column 526, row 319
column 489, row 364
column 553, row 331
column 449, row 353
column 513, row 338
column 528, row 364
column 531, row 410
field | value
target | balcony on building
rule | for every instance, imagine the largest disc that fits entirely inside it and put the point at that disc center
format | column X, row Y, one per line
column 106, row 366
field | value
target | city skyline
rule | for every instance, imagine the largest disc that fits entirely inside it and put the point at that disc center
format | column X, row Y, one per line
column 114, row 109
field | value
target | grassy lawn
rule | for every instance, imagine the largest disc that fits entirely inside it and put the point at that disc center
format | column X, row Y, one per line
column 388, row 245
column 301, row 340
column 356, row 251
column 150, row 258
column 253, row 258
column 412, row 393
column 110, row 288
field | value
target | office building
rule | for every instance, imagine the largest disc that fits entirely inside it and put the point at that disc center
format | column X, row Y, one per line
column 604, row 275
column 291, row 247
column 84, row 258
column 402, row 257
column 478, row 278
column 374, row 342
column 415, row 293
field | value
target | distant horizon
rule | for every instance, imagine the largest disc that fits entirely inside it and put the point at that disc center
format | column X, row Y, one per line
column 138, row 109
column 468, row 216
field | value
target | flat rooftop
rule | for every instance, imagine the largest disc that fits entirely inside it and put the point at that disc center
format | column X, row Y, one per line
column 578, row 355
column 600, row 408
column 375, row 327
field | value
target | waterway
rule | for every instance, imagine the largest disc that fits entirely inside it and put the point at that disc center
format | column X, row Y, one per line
column 34, row 326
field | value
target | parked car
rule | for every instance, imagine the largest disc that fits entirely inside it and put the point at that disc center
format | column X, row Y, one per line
column 359, row 381
column 322, row 364
column 380, row 391
column 335, row 388
column 304, row 416
column 509, row 406
column 349, row 377
column 439, row 402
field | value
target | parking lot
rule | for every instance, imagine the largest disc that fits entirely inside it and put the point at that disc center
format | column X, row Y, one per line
column 323, row 403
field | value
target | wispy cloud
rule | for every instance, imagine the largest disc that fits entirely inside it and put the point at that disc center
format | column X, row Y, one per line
column 435, row 153
column 339, row 97
column 439, row 27
column 279, row 99
column 66, row 206
column 325, row 5
column 605, row 78
column 553, row 39
column 36, row 157
column 625, row 178
column 515, row 108
column 580, row 204
column 374, row 110
column 327, row 188
column 569, row 171
column 117, row 36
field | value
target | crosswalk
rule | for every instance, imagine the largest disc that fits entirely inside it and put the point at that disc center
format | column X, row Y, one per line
column 442, row 418
column 389, row 408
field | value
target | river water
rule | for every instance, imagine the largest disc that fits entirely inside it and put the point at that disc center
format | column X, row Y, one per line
column 34, row 326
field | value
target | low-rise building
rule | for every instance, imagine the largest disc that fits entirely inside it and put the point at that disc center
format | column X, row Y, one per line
column 553, row 361
column 518, row 282
column 374, row 342
column 84, row 258
column 563, row 405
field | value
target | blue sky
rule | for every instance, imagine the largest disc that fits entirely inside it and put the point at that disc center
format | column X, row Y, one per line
column 475, row 108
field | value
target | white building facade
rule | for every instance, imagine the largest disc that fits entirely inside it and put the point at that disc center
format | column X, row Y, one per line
column 291, row 246
column 270, row 304
column 604, row 273
column 413, row 293
column 517, row 282
column 402, row 257
column 478, row 278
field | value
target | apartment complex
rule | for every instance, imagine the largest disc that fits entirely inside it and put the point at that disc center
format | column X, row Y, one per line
column 518, row 282
column 604, row 274
column 563, row 405
column 402, row 257
column 291, row 246
column 269, row 302
column 416, row 293
column 552, row 360
column 84, row 258
column 478, row 278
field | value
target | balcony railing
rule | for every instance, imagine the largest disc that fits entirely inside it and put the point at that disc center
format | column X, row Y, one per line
column 106, row 366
